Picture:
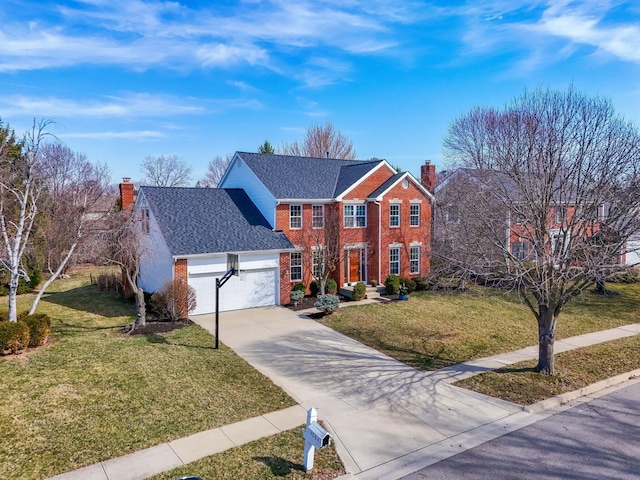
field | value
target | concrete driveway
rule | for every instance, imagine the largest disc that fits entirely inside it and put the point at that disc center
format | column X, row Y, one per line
column 383, row 414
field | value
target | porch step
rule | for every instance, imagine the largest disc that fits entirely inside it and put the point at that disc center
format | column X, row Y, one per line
column 372, row 292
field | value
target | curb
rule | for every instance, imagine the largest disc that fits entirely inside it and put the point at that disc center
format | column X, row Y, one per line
column 564, row 398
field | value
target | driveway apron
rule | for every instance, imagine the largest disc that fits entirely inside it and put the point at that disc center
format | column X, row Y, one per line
column 379, row 410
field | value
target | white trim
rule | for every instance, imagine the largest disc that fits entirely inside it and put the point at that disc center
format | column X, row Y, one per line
column 364, row 177
column 315, row 201
column 405, row 175
column 199, row 255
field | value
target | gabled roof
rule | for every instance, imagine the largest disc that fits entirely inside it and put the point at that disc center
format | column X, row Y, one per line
column 393, row 181
column 292, row 177
column 210, row 220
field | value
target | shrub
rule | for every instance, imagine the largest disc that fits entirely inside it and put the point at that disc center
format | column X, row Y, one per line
column 300, row 287
column 314, row 288
column 39, row 327
column 296, row 296
column 330, row 287
column 175, row 300
column 392, row 284
column 359, row 291
column 14, row 336
column 409, row 283
column 425, row 283
column 327, row 303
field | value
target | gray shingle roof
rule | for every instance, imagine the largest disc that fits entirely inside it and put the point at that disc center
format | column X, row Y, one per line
column 211, row 220
column 290, row 177
column 390, row 181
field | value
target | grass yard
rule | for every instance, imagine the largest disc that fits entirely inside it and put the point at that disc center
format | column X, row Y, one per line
column 275, row 457
column 437, row 329
column 94, row 394
column 518, row 383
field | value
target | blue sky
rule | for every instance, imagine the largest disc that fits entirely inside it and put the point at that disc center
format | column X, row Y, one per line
column 124, row 79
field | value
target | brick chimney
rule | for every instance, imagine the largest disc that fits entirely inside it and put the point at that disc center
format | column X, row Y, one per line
column 428, row 175
column 127, row 195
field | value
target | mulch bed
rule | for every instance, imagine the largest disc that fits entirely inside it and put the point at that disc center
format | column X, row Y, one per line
column 160, row 326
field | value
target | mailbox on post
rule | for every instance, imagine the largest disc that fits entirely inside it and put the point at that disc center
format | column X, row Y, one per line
column 315, row 436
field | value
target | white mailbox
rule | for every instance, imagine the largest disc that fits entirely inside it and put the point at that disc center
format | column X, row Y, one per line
column 314, row 437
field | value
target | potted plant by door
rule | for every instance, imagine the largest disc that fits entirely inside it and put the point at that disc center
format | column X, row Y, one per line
column 403, row 291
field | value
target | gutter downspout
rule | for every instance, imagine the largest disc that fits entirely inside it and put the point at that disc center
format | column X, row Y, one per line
column 379, row 237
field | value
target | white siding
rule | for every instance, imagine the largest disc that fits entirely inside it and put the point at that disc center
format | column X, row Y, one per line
column 157, row 261
column 239, row 175
column 633, row 251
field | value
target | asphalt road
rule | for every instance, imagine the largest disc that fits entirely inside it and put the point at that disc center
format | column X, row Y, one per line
column 593, row 441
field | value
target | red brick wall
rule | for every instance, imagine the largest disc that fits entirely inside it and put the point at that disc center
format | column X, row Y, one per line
column 372, row 182
column 285, row 284
column 405, row 234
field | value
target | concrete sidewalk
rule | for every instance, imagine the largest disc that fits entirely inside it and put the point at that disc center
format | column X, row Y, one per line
column 386, row 418
column 167, row 456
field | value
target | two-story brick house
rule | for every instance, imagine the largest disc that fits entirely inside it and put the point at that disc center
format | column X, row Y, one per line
column 278, row 213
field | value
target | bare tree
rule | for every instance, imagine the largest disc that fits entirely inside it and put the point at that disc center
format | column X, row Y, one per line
column 322, row 141
column 72, row 187
column 539, row 170
column 166, row 171
column 215, row 171
column 20, row 188
column 325, row 245
column 124, row 247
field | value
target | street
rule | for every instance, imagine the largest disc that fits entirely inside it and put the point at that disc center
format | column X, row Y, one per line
column 595, row 440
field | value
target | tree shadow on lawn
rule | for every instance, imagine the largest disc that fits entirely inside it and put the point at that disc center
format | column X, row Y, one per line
column 279, row 466
column 89, row 299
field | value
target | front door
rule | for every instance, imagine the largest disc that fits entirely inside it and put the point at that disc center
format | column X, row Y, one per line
column 355, row 266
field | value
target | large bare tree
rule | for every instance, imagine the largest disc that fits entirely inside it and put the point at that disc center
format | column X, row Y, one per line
column 123, row 245
column 72, row 188
column 551, row 195
column 215, row 170
column 165, row 171
column 321, row 141
column 21, row 184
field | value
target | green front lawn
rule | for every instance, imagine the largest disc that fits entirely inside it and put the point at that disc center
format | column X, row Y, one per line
column 433, row 330
column 278, row 456
column 576, row 369
column 95, row 394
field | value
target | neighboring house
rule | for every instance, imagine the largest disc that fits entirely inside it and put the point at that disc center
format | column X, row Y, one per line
column 273, row 211
column 468, row 196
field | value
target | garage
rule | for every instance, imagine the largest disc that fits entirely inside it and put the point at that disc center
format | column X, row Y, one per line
column 252, row 288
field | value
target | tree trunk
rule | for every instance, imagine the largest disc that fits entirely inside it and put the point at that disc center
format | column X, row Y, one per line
column 50, row 280
column 12, row 314
column 141, row 313
column 546, row 341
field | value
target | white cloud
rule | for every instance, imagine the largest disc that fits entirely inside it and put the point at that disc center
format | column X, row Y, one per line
column 125, row 106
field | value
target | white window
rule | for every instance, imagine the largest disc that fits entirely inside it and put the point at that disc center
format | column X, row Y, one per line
column 144, row 220
column 414, row 215
column 318, row 263
column 559, row 242
column 394, row 261
column 355, row 215
column 394, row 215
column 520, row 250
column 414, row 260
column 295, row 267
column 559, row 215
column 295, row 216
column 452, row 214
column 317, row 216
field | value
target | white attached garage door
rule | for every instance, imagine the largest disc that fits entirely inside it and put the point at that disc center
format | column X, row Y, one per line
column 254, row 288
